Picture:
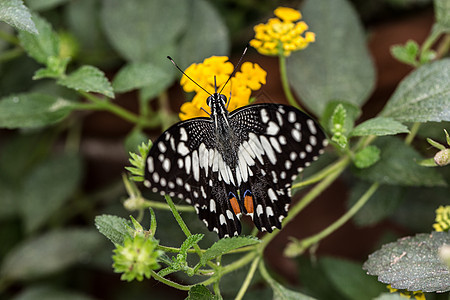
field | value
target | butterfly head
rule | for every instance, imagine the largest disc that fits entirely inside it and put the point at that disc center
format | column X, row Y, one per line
column 217, row 102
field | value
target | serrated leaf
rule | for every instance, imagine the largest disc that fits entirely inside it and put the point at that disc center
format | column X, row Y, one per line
column 88, row 79
column 47, row 187
column 340, row 49
column 138, row 28
column 381, row 205
column 116, row 229
column 412, row 263
column 49, row 253
column 423, row 96
column 349, row 279
column 352, row 113
column 17, row 15
column 199, row 292
column 406, row 53
column 366, row 157
column 379, row 126
column 442, row 13
column 225, row 245
column 32, row 110
column 398, row 166
column 200, row 41
column 138, row 75
column 43, row 45
column 190, row 242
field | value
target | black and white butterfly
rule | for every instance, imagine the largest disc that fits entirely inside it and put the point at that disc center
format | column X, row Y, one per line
column 235, row 163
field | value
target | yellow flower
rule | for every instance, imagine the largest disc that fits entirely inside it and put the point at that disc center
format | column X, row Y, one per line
column 238, row 90
column 418, row 295
column 282, row 35
column 442, row 218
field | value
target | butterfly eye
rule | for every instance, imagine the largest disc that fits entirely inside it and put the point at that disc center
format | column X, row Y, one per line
column 208, row 101
column 223, row 98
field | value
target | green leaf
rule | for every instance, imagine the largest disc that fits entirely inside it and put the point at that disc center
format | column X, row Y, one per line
column 423, row 96
column 338, row 121
column 349, row 279
column 190, row 242
column 88, row 79
column 47, row 187
column 338, row 64
column 49, row 293
column 381, row 205
column 435, row 144
column 32, row 110
column 40, row 5
column 352, row 113
column 442, row 13
column 199, row 292
column 43, row 45
column 116, row 229
column 17, row 15
column 135, row 138
column 225, row 245
column 200, row 41
column 412, row 263
column 379, row 126
column 282, row 293
column 366, row 157
column 138, row 28
column 407, row 53
column 138, row 75
column 50, row 253
column 398, row 166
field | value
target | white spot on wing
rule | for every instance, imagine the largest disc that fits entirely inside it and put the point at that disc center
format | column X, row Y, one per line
column 183, row 134
column 273, row 128
column 268, row 149
column 212, row 206
column 182, row 149
column 311, row 126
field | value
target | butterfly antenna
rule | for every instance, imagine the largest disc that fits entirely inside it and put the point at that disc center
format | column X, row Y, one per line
column 182, row 72
column 235, row 68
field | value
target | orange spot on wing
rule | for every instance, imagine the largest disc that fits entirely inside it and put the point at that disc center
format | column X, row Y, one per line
column 235, row 205
column 248, row 203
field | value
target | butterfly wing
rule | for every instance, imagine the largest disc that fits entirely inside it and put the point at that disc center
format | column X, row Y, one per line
column 184, row 162
column 276, row 143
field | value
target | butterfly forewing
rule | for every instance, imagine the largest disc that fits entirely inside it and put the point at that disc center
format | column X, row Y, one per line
column 247, row 169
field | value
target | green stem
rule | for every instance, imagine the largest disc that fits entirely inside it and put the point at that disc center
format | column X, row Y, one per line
column 321, row 174
column 170, row 282
column 310, row 196
column 163, row 206
column 285, row 83
column 307, row 242
column 11, row 54
column 410, row 137
column 181, row 223
column 12, row 39
column 248, row 279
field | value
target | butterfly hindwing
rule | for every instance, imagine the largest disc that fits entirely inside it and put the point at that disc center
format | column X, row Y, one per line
column 244, row 165
column 279, row 142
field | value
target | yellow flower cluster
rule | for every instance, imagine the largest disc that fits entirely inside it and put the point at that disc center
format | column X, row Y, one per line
column 237, row 90
column 418, row 295
column 282, row 35
column 442, row 218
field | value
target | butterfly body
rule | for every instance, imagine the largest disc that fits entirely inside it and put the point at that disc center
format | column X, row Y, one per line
column 234, row 163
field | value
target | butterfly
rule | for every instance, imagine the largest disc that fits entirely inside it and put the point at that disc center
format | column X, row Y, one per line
column 235, row 163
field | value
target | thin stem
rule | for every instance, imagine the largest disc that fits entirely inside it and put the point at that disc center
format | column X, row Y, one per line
column 181, row 223
column 170, row 282
column 309, row 197
column 307, row 242
column 321, row 174
column 248, row 278
column 412, row 133
column 11, row 54
column 163, row 206
column 285, row 83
